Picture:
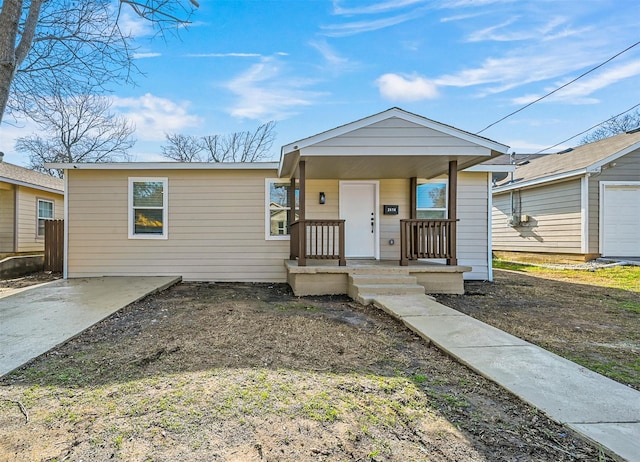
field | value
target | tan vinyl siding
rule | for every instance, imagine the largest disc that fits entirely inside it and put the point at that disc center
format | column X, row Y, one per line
column 392, row 192
column 394, row 133
column 627, row 168
column 216, row 227
column 555, row 219
column 27, row 217
column 7, row 206
column 330, row 209
column 473, row 209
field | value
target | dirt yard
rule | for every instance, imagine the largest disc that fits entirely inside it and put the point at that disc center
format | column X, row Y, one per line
column 248, row 372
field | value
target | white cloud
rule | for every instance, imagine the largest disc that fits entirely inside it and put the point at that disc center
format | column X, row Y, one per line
column 146, row 55
column 552, row 29
column 578, row 92
column 224, row 55
column 471, row 3
column 155, row 116
column 374, row 8
column 267, row 91
column 334, row 63
column 396, row 87
column 357, row 27
column 132, row 24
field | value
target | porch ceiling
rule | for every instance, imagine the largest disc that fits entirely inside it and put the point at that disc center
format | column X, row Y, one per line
column 346, row 167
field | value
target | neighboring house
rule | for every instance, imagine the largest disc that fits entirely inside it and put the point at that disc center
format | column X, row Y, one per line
column 581, row 203
column 27, row 199
column 351, row 186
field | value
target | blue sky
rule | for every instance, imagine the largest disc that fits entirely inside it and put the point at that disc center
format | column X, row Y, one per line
column 313, row 65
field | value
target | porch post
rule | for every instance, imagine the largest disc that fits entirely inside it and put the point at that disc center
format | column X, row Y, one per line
column 291, row 213
column 413, row 198
column 302, row 244
column 453, row 210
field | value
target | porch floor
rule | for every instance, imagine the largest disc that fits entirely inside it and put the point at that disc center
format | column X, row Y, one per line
column 325, row 277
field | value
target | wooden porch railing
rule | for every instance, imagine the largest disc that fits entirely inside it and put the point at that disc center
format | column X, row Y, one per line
column 317, row 239
column 427, row 239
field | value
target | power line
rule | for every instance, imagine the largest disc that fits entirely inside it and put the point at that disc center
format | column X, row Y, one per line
column 559, row 88
column 588, row 129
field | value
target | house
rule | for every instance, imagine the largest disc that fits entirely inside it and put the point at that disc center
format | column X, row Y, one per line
column 577, row 204
column 27, row 199
column 389, row 190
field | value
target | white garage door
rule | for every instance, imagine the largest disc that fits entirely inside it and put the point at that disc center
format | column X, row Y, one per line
column 620, row 229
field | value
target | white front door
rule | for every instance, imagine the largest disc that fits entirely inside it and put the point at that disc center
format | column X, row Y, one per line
column 358, row 205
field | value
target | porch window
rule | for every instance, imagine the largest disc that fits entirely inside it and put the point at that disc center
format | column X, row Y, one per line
column 277, row 208
column 148, row 208
column 432, row 200
column 45, row 212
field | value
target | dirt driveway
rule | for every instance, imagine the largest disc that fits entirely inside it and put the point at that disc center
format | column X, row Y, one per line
column 244, row 372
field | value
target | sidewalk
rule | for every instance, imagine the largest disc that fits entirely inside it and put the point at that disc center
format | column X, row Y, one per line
column 600, row 409
column 35, row 319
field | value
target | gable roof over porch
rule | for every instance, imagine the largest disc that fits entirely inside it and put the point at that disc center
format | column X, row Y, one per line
column 391, row 144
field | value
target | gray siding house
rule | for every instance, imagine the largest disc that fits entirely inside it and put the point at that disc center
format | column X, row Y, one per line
column 579, row 204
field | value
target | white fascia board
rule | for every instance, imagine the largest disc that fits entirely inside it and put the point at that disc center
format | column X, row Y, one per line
column 31, row 185
column 539, row 181
column 491, row 168
column 166, row 166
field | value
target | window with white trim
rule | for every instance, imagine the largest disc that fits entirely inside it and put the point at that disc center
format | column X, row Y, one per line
column 45, row 212
column 148, row 209
column 277, row 208
column 431, row 200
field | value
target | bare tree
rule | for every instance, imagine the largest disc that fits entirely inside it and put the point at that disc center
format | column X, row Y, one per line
column 78, row 128
column 183, row 148
column 613, row 126
column 48, row 44
column 246, row 146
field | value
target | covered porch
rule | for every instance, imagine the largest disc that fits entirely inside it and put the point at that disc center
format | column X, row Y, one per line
column 354, row 200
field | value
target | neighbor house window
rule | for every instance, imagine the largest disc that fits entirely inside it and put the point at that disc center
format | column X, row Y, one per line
column 432, row 200
column 148, row 208
column 277, row 208
column 45, row 212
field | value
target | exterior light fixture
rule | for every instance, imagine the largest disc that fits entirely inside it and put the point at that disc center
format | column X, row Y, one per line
column 322, row 198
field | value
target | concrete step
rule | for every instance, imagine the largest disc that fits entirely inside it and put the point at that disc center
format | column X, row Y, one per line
column 366, row 293
column 382, row 279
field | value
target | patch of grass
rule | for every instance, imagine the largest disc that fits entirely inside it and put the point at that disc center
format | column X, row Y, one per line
column 617, row 277
column 633, row 307
column 624, row 372
column 319, row 408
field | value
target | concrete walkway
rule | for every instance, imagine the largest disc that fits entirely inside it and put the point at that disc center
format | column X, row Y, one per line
column 35, row 320
column 602, row 410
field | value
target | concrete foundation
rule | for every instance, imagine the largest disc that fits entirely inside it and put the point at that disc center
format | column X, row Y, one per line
column 327, row 278
column 14, row 267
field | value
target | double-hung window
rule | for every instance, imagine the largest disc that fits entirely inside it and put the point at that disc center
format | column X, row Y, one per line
column 148, row 209
column 45, row 212
column 277, row 208
column 432, row 200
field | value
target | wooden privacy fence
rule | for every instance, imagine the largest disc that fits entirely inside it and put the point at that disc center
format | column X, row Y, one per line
column 317, row 239
column 427, row 239
column 53, row 245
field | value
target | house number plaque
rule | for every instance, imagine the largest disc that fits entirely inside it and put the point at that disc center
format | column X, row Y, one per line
column 390, row 210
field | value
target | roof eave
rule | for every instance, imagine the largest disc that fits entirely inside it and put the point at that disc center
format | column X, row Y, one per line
column 31, row 185
column 166, row 166
column 542, row 180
